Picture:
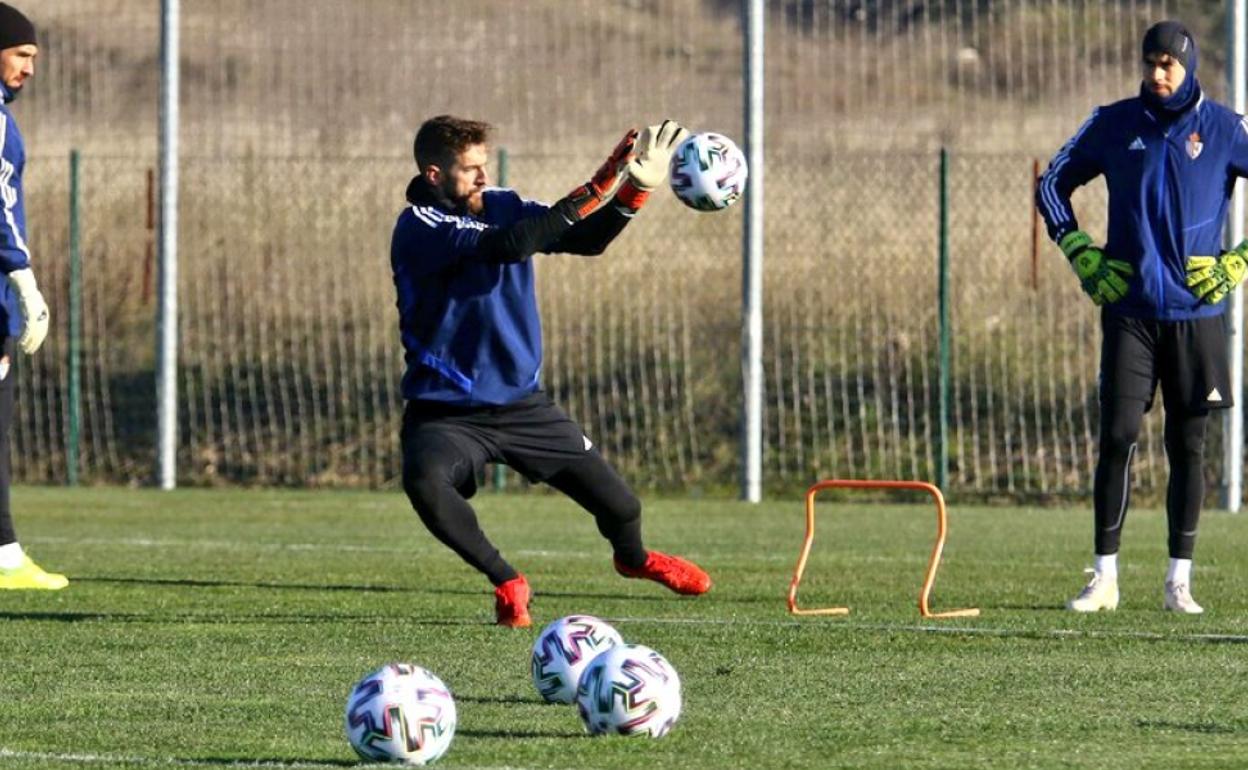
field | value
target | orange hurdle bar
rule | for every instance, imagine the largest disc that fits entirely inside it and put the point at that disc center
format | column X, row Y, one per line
column 928, row 579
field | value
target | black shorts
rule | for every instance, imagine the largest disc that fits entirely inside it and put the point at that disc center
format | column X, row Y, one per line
column 533, row 436
column 1188, row 358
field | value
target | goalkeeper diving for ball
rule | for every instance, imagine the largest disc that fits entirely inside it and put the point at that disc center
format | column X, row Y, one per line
column 1169, row 157
column 462, row 256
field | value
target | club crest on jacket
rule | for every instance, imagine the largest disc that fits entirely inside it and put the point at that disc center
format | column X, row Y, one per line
column 1194, row 145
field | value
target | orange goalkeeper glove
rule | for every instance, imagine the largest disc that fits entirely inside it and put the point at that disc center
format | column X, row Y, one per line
column 587, row 198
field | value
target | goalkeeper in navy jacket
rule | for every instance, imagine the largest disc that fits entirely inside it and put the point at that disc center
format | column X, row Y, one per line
column 1170, row 158
column 23, row 312
column 462, row 260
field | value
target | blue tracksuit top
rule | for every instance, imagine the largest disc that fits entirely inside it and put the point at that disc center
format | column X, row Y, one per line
column 1168, row 191
column 471, row 331
column 14, row 255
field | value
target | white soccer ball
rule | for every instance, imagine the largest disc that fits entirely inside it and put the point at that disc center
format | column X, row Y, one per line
column 400, row 713
column 629, row 690
column 708, row 172
column 564, row 649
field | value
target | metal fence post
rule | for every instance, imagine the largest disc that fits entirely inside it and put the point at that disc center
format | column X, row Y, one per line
column 1233, row 421
column 752, row 254
column 942, row 467
column 75, row 326
column 500, row 471
column 167, row 312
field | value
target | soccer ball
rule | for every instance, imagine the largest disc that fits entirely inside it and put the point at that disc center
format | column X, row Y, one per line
column 629, row 690
column 400, row 713
column 564, row 649
column 708, row 172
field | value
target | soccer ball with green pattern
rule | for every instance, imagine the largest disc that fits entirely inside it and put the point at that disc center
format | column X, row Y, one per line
column 400, row 713
column 564, row 649
column 629, row 690
column 708, row 172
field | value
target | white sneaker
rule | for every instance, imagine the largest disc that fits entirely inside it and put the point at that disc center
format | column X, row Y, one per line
column 1101, row 593
column 1179, row 599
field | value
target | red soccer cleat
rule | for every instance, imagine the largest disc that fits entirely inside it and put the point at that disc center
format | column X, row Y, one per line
column 683, row 577
column 511, row 603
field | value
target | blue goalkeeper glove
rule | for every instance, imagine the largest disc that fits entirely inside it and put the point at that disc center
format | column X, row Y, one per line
column 1103, row 279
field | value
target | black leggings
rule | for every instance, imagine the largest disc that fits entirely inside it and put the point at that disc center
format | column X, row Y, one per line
column 436, row 489
column 7, row 394
column 1185, row 447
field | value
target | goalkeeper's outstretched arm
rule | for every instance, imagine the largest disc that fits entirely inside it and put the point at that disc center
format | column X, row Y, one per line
column 647, row 169
column 571, row 225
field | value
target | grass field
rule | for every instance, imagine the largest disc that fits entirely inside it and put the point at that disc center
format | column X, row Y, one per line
column 225, row 628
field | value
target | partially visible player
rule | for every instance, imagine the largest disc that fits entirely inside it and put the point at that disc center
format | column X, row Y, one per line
column 1169, row 157
column 462, row 260
column 23, row 313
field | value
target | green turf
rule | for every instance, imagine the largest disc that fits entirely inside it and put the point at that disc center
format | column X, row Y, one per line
column 214, row 628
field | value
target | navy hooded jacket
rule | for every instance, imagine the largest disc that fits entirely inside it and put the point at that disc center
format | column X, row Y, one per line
column 14, row 254
column 1169, row 179
column 467, row 299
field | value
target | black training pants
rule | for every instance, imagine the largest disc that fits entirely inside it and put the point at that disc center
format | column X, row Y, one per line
column 445, row 448
column 1188, row 360
column 1185, row 443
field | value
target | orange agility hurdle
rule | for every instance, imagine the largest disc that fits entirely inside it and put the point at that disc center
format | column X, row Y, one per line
column 928, row 579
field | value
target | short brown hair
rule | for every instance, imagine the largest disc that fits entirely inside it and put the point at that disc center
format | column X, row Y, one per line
column 440, row 140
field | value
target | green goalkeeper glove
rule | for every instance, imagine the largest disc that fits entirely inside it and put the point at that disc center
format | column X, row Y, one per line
column 1103, row 279
column 1212, row 278
column 648, row 168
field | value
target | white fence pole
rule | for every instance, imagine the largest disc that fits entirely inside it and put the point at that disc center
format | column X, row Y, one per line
column 167, row 307
column 1233, row 450
column 752, row 248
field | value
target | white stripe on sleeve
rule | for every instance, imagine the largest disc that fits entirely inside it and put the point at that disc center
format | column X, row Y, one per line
column 7, row 191
column 1058, row 211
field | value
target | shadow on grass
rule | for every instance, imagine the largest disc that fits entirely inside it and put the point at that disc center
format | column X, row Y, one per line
column 1208, row 728
column 232, row 619
column 275, row 762
column 73, row 617
column 193, row 583
column 513, row 734
column 664, row 596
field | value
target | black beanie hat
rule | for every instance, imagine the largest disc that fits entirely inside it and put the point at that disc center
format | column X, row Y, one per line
column 15, row 29
column 1172, row 38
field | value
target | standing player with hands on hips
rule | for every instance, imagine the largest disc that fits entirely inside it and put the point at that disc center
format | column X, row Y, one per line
column 23, row 312
column 463, row 269
column 1170, row 158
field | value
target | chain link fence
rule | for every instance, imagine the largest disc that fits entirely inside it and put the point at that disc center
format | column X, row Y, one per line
column 296, row 152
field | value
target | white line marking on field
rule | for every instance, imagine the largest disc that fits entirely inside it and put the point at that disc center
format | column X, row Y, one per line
column 419, row 547
column 143, row 542
column 113, row 759
column 1040, row 633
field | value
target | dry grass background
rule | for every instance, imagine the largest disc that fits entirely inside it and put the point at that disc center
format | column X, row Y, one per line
column 297, row 122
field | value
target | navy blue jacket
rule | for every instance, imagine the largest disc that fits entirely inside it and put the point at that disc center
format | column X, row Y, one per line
column 14, row 255
column 1169, row 184
column 467, row 300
